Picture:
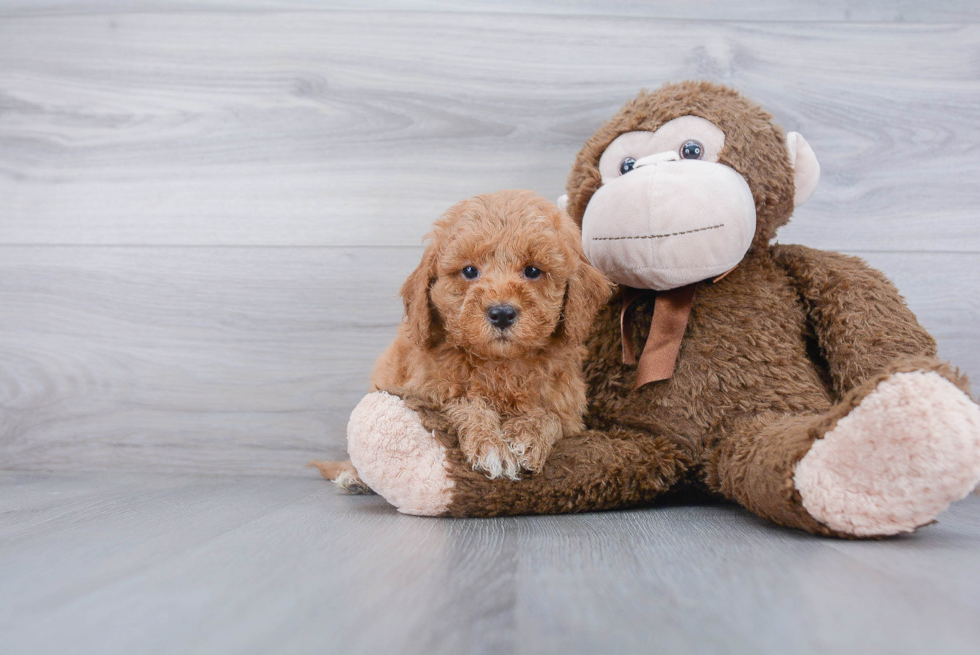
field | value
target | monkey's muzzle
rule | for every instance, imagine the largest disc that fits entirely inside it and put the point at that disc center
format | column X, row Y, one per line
column 669, row 223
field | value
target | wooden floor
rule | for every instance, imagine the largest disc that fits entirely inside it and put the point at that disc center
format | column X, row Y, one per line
column 206, row 211
column 100, row 563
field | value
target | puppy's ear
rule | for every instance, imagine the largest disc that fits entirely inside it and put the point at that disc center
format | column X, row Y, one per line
column 587, row 291
column 415, row 293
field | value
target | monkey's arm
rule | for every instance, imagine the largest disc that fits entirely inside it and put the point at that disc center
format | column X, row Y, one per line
column 860, row 321
column 407, row 450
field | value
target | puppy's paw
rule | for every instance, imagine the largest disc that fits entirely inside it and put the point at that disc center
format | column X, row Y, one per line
column 498, row 462
column 530, row 438
column 530, row 456
column 489, row 453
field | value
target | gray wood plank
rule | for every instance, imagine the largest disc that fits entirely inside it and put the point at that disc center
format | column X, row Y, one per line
column 902, row 11
column 233, row 360
column 720, row 581
column 191, row 564
column 312, row 128
column 212, row 359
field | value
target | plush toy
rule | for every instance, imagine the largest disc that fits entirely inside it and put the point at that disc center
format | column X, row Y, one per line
column 793, row 381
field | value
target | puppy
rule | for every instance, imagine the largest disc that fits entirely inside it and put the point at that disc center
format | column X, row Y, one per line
column 495, row 319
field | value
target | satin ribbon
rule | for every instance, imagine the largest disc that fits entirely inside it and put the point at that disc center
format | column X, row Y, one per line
column 671, row 309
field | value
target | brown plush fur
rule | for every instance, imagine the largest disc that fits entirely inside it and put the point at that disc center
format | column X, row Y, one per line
column 773, row 356
column 510, row 393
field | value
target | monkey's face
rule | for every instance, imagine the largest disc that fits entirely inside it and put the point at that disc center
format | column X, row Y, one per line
column 667, row 213
column 681, row 183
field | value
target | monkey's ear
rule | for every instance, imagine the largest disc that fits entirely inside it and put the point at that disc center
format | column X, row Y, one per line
column 806, row 168
column 563, row 202
column 415, row 293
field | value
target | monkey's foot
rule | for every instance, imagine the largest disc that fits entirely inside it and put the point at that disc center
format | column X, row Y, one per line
column 397, row 457
column 909, row 449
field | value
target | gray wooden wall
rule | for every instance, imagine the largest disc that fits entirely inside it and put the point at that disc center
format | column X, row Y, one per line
column 207, row 208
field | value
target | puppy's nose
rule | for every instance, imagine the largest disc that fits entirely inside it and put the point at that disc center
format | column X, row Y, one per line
column 501, row 316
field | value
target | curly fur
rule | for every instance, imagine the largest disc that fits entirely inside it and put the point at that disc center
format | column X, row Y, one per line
column 511, row 393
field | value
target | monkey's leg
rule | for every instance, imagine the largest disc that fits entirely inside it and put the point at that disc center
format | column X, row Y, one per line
column 886, row 459
column 405, row 450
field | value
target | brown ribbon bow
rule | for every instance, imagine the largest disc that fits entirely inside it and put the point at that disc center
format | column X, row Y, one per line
column 671, row 310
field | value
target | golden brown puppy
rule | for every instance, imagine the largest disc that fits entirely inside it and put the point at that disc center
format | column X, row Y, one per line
column 495, row 318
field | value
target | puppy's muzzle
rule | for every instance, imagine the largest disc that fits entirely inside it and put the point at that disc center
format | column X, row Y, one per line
column 501, row 316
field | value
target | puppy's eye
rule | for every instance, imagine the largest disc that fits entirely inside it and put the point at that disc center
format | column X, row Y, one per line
column 471, row 272
column 627, row 165
column 532, row 272
column 692, row 150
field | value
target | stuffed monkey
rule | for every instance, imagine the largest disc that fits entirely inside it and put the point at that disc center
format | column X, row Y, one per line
column 792, row 381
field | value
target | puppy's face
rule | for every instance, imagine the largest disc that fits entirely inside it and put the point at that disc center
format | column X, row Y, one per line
column 500, row 273
column 500, row 293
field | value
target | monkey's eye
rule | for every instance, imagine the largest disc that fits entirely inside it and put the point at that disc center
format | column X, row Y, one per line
column 532, row 272
column 627, row 165
column 471, row 272
column 692, row 150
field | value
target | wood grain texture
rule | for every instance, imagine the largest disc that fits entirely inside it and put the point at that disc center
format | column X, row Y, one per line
column 208, row 358
column 206, row 209
column 234, row 360
column 900, row 11
column 360, row 128
column 121, row 564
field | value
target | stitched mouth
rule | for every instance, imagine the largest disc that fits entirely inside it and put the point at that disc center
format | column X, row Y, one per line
column 661, row 236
